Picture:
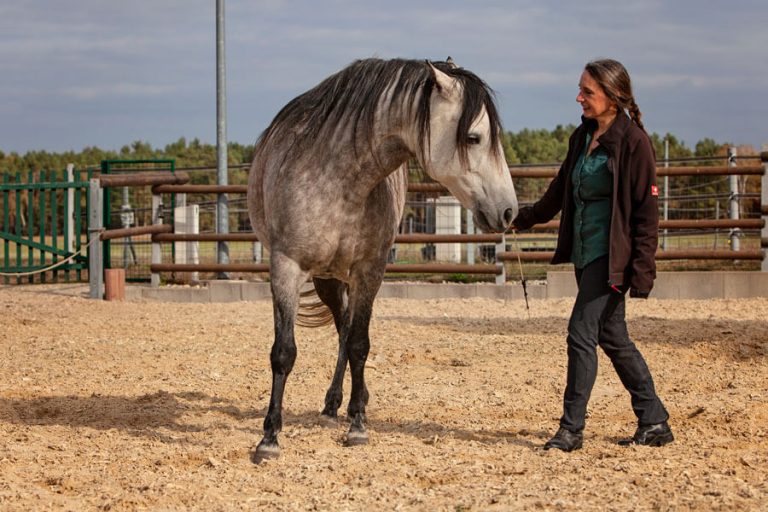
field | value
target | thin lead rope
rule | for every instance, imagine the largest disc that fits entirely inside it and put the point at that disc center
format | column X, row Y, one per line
column 53, row 266
column 522, row 276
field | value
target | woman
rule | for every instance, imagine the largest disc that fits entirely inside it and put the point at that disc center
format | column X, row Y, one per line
column 606, row 190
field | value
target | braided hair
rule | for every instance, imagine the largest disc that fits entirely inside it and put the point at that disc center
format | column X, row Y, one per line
column 613, row 77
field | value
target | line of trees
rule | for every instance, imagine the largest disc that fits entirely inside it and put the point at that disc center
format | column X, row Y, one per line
column 524, row 147
column 527, row 146
column 691, row 196
column 186, row 153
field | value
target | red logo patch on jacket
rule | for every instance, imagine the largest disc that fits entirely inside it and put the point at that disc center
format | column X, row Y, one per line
column 654, row 190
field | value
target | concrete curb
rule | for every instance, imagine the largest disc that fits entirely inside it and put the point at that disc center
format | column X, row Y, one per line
column 234, row 291
column 669, row 285
column 682, row 285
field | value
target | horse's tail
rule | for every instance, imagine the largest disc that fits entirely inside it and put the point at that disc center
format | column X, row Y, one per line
column 313, row 312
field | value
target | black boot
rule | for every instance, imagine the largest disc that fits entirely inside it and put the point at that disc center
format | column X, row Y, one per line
column 565, row 440
column 651, row 435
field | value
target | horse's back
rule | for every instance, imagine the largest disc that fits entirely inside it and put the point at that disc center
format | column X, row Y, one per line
column 294, row 210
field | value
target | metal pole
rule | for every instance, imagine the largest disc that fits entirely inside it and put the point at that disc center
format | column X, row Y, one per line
column 666, row 192
column 222, row 207
column 95, row 256
column 734, row 202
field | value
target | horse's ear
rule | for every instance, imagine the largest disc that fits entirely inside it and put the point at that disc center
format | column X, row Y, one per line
column 445, row 85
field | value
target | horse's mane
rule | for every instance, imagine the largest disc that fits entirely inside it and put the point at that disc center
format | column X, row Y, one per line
column 351, row 97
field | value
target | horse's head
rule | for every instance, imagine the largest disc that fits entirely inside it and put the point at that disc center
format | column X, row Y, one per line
column 464, row 151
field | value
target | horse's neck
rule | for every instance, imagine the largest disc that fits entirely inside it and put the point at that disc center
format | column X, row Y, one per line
column 374, row 165
column 387, row 149
column 396, row 135
column 376, row 155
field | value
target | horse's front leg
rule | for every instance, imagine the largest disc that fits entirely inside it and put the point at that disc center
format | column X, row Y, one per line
column 286, row 281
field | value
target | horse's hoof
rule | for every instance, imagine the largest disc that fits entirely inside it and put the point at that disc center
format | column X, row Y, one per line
column 328, row 421
column 356, row 437
column 265, row 452
column 329, row 412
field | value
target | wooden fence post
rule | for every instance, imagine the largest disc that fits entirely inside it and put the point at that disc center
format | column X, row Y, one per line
column 114, row 284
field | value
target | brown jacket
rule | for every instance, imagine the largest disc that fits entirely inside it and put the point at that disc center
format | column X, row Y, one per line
column 634, row 208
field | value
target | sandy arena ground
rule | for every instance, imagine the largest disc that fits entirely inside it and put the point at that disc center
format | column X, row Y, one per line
column 154, row 406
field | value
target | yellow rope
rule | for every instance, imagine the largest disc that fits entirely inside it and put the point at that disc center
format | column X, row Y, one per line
column 53, row 266
column 522, row 276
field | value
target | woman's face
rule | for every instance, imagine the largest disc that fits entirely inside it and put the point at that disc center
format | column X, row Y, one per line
column 593, row 99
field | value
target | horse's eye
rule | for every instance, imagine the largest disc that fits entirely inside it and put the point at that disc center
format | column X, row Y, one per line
column 473, row 138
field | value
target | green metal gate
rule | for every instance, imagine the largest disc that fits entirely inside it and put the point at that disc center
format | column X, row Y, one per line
column 43, row 227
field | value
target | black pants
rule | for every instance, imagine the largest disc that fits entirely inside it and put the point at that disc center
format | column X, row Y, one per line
column 598, row 319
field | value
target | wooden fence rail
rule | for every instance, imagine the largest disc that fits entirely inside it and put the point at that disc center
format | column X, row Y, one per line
column 496, row 239
column 693, row 254
column 178, row 183
column 424, row 238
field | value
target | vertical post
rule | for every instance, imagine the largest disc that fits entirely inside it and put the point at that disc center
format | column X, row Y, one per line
column 157, row 255
column 42, row 215
column 717, row 231
column 257, row 252
column 447, row 222
column 222, row 207
column 79, row 193
column 733, row 181
column 30, row 223
column 470, row 231
column 95, row 256
column 501, row 247
column 126, row 219
column 69, row 215
column 6, row 219
column 107, row 244
column 666, row 192
column 764, row 210
column 186, row 219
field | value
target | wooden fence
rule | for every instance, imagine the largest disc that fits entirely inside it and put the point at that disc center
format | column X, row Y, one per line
column 85, row 199
column 500, row 241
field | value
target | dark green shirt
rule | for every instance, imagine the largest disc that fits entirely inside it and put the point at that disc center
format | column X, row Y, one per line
column 592, row 188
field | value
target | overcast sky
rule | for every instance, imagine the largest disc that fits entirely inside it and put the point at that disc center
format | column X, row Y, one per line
column 105, row 73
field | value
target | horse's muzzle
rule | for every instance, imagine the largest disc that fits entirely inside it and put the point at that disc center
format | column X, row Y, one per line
column 497, row 222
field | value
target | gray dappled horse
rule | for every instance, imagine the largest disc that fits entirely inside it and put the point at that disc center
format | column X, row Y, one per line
column 327, row 189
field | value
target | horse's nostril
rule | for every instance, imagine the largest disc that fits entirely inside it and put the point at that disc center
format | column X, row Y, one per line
column 509, row 216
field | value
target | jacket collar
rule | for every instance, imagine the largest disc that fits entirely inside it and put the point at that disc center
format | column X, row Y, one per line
column 613, row 136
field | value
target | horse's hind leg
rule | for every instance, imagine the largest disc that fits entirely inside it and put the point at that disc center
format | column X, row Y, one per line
column 286, row 280
column 334, row 294
column 358, row 344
